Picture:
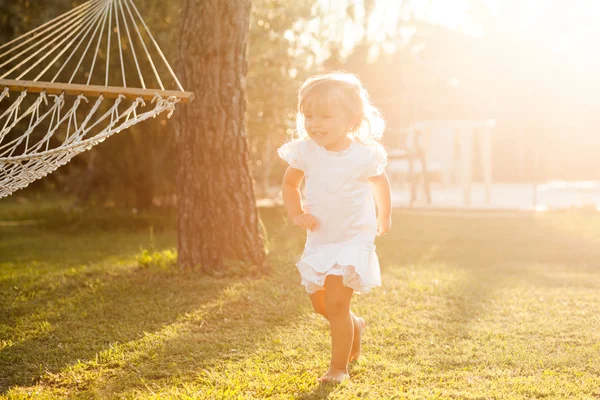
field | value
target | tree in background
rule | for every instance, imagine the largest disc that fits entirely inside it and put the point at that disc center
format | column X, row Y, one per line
column 218, row 217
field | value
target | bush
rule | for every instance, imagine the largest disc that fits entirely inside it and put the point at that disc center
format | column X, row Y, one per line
column 162, row 260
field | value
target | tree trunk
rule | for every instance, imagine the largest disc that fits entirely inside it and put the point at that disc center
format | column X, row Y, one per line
column 218, row 217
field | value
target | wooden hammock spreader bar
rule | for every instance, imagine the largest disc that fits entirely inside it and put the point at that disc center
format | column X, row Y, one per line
column 93, row 90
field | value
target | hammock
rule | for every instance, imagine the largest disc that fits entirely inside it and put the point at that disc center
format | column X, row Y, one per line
column 74, row 89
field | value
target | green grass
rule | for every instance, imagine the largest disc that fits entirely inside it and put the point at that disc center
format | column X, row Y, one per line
column 487, row 307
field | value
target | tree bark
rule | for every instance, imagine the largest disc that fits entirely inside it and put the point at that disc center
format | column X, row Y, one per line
column 218, row 217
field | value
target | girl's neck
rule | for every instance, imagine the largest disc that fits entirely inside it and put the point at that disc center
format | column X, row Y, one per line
column 340, row 145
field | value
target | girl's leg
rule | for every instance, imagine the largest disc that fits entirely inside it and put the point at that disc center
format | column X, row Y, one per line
column 359, row 326
column 337, row 307
column 318, row 302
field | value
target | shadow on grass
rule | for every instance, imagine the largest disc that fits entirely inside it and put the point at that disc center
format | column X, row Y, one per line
column 247, row 315
column 94, row 315
column 224, row 332
column 321, row 391
column 149, row 326
column 43, row 270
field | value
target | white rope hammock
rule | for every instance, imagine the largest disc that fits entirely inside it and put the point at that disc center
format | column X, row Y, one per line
column 57, row 67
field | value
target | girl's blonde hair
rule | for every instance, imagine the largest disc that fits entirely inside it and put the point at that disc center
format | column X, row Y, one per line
column 346, row 91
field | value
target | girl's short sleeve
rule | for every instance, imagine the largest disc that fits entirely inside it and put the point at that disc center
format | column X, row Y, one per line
column 377, row 160
column 293, row 154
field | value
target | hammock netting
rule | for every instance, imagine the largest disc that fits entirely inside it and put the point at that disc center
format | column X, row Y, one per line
column 67, row 86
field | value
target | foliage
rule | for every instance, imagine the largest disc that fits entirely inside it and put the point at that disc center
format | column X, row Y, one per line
column 161, row 260
column 467, row 310
column 134, row 168
column 290, row 40
column 273, row 75
column 137, row 167
column 153, row 259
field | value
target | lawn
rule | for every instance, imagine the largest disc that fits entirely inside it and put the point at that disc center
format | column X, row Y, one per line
column 473, row 306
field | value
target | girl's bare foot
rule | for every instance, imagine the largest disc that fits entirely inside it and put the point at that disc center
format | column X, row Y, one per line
column 355, row 351
column 334, row 375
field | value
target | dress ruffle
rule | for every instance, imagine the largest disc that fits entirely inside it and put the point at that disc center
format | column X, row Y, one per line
column 291, row 153
column 357, row 264
column 379, row 160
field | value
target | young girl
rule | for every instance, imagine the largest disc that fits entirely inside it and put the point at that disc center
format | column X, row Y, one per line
column 338, row 154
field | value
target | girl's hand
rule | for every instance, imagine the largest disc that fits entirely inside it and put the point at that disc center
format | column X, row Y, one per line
column 306, row 221
column 383, row 225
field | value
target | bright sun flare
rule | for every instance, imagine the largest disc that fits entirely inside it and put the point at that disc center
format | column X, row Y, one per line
column 574, row 21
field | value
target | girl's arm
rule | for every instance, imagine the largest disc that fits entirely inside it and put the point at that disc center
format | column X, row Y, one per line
column 383, row 200
column 292, row 199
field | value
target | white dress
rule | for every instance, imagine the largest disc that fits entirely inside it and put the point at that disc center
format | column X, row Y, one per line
column 339, row 196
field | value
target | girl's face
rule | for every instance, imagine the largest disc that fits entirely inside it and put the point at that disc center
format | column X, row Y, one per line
column 327, row 125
